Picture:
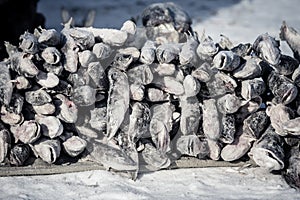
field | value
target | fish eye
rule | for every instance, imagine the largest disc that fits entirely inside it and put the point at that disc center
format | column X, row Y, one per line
column 266, row 57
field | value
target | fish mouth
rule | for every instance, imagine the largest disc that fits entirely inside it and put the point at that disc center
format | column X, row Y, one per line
column 222, row 61
column 290, row 95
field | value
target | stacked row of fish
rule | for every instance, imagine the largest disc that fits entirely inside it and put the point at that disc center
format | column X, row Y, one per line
column 145, row 96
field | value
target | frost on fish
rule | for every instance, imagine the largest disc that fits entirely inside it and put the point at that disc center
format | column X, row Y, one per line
column 118, row 100
column 112, row 157
column 226, row 61
column 138, row 98
column 188, row 51
column 267, row 48
column 191, row 145
column 207, row 48
column 292, row 37
column 211, row 120
column 282, row 88
column 6, row 87
column 291, row 173
column 190, row 115
column 250, row 69
column 160, row 125
column 268, row 151
column 166, row 53
column 148, row 52
column 139, row 121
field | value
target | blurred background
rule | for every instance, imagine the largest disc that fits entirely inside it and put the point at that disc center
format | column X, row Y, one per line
column 240, row 20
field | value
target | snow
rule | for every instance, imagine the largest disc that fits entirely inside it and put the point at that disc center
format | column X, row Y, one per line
column 200, row 183
column 241, row 21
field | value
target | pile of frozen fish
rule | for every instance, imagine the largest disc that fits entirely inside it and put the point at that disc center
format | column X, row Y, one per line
column 149, row 95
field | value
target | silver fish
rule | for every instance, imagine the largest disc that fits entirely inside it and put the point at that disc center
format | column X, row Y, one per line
column 292, row 37
column 154, row 158
column 47, row 80
column 140, row 74
column 29, row 43
column 228, row 129
column 102, row 51
column 98, row 119
column 50, row 126
column 282, row 88
column 240, row 146
column 51, row 55
column 28, row 132
column 47, row 150
column 291, row 126
column 22, row 63
column 137, row 92
column 191, row 145
column 267, row 48
column 250, row 69
column 86, row 57
column 49, row 37
column 156, row 95
column 268, row 151
column 207, row 48
column 148, row 52
column 211, row 119
column 228, row 104
column 37, row 97
column 279, row 114
column 84, row 95
column 118, row 100
column 190, row 115
column 188, row 51
column 5, row 143
column 112, row 156
column 139, row 121
column 252, row 88
column 203, row 73
column 168, row 52
column 66, row 109
column 226, row 61
column 74, row 146
column 191, row 86
column 22, row 83
column 19, row 154
column 160, row 125
column 112, row 37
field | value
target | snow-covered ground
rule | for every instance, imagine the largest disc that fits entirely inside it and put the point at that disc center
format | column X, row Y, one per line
column 241, row 21
column 189, row 184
